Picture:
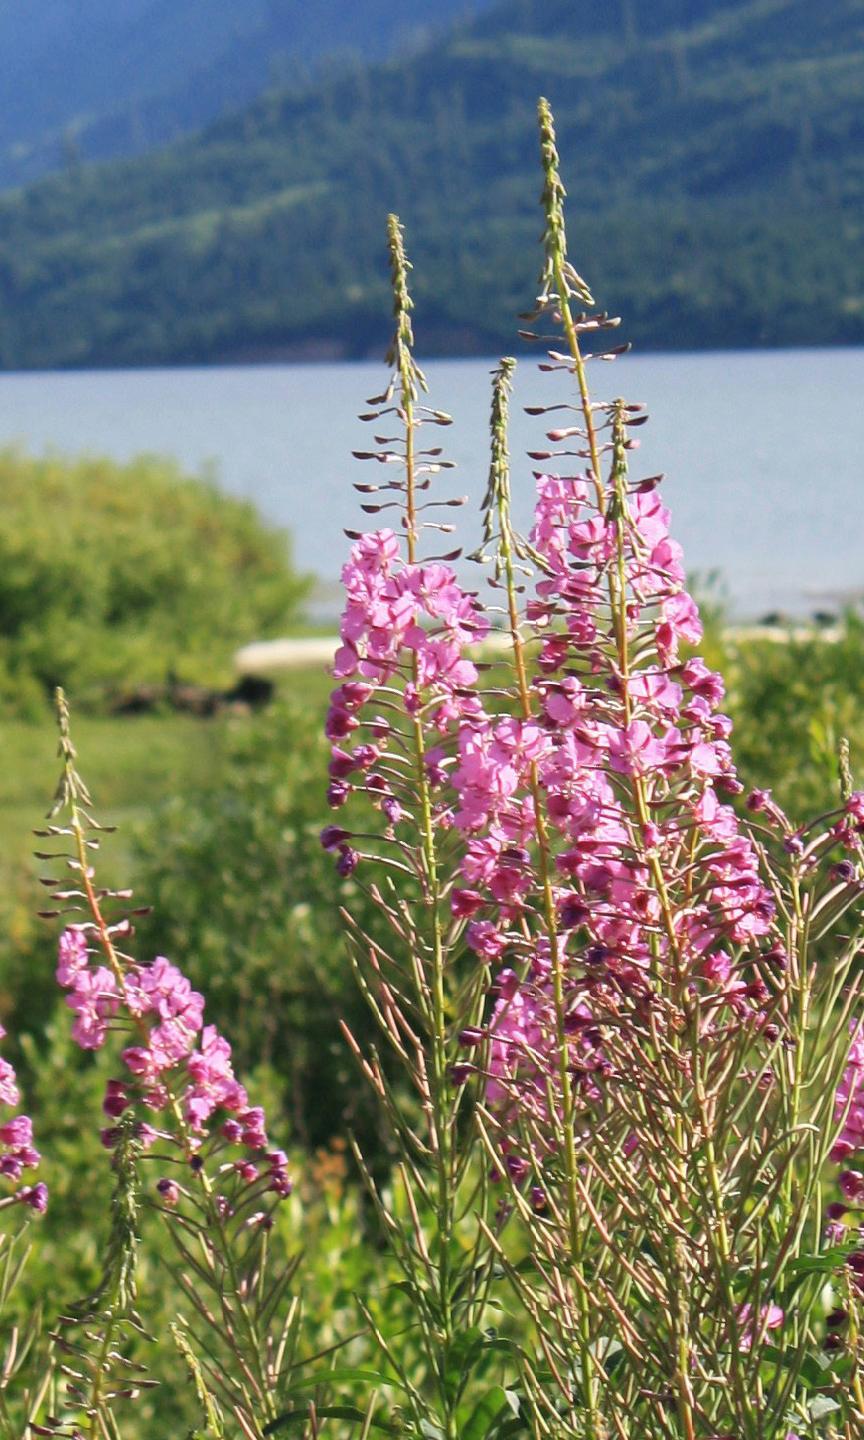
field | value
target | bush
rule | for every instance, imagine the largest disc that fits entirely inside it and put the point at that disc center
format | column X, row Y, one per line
column 114, row 574
column 241, row 887
column 792, row 698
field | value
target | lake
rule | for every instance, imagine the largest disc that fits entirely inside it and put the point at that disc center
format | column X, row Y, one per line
column 763, row 451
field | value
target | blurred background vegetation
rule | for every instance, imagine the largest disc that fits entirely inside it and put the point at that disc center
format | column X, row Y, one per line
column 713, row 154
column 113, row 574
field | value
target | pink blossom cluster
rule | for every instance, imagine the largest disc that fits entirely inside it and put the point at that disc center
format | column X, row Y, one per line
column 179, row 1063
column 849, row 1101
column 396, row 613
column 17, row 1153
column 521, row 1065
column 405, row 622
column 620, row 772
column 630, row 766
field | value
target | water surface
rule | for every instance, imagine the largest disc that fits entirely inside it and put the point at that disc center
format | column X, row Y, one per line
column 762, row 451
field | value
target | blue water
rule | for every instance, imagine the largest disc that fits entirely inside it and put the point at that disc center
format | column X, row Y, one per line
column 763, row 451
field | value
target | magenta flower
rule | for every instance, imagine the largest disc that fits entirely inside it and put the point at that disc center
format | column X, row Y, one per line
column 178, row 1064
column 17, row 1152
column 771, row 1317
column 849, row 1102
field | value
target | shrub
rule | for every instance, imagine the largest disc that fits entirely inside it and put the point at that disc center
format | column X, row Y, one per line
column 115, row 574
column 241, row 887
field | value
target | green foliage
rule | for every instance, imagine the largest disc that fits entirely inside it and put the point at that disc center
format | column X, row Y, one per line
column 107, row 78
column 793, row 698
column 730, row 216
column 245, row 897
column 116, row 574
column 241, row 888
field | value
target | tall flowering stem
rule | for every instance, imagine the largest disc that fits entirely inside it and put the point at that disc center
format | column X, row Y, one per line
column 405, row 682
column 23, row 1353
column 409, row 382
column 662, row 1059
column 510, row 550
column 176, row 1106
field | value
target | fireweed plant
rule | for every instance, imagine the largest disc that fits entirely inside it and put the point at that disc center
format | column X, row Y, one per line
column 184, row 1140
column 623, row 1005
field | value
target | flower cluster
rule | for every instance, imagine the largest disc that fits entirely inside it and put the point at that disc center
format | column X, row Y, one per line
column 849, row 1101
column 179, row 1067
column 17, row 1152
column 405, row 622
column 597, row 946
column 620, row 775
column 395, row 611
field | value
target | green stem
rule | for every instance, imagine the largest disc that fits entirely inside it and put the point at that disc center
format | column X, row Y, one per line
column 216, row 1223
column 588, row 1365
column 440, row 1116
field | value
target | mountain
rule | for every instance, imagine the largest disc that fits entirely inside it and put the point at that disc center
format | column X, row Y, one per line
column 714, row 151
column 88, row 79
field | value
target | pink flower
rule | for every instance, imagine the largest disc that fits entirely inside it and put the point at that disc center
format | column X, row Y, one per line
column 716, row 968
column 679, row 621
column 8, row 1084
column 17, row 1153
column 771, row 1317
column 635, row 750
column 485, row 940
column 95, row 1000
column 849, row 1100
column 213, row 1084
column 72, row 955
column 34, row 1196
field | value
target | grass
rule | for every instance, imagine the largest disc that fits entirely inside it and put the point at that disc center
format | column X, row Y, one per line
column 130, row 764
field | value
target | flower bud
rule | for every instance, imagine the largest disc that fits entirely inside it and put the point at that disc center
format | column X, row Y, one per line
column 471, row 1036
column 852, row 1184
column 347, row 862
column 758, row 800
column 844, row 872
column 34, row 1196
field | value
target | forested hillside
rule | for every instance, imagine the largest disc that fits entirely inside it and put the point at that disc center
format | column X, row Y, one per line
column 714, row 153
column 90, row 79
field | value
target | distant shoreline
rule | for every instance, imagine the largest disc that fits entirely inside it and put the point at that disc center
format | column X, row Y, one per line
column 325, row 353
column 266, row 657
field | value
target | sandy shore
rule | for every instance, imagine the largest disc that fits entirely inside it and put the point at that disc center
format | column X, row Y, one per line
column 266, row 657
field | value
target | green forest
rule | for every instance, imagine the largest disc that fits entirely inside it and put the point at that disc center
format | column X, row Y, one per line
column 714, row 167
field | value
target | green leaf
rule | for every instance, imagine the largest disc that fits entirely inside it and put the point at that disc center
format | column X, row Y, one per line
column 822, row 1405
column 808, row 1366
column 329, row 1412
column 343, row 1376
column 460, row 1358
column 489, row 1407
column 826, row 1260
